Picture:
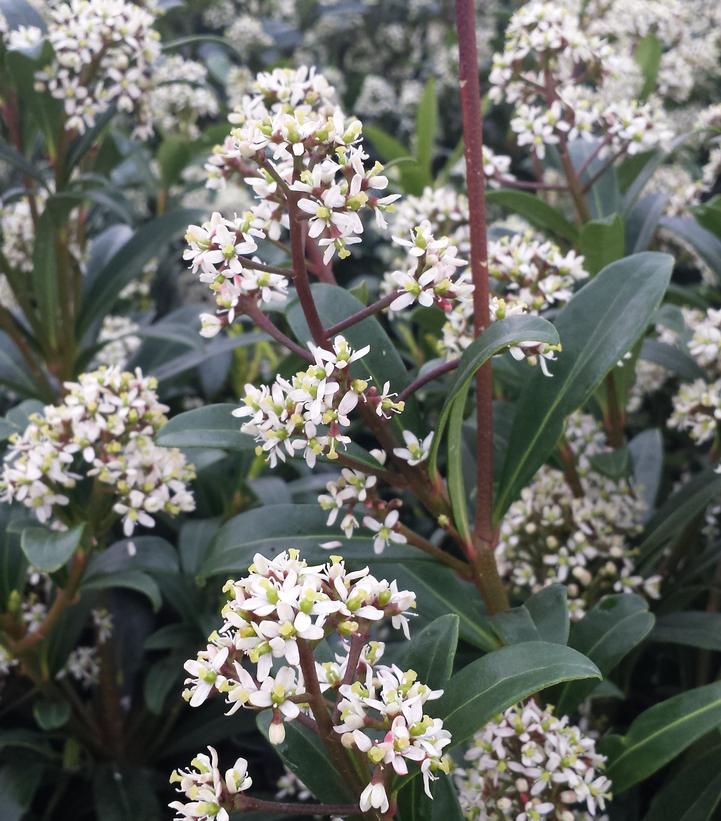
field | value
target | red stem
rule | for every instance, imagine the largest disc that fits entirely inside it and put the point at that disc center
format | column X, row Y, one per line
column 428, row 376
column 358, row 316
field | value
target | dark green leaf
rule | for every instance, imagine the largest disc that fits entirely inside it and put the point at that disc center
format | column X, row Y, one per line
column 49, row 550
column 602, row 242
column 51, row 715
column 305, row 756
column 673, row 359
column 15, row 159
column 600, row 323
column 549, row 610
column 431, row 652
column 646, row 449
column 702, row 241
column 130, row 580
column 612, row 463
column 642, row 222
column 414, row 804
column 274, row 528
column 129, row 261
column 693, row 794
column 500, row 679
column 455, row 478
column 173, row 155
column 216, row 348
column 536, row 211
column 147, row 553
column 500, row 335
column 413, row 177
column 664, row 731
column 212, row 426
column 648, row 56
column 606, row 634
column 427, row 125
column 162, row 677
column 691, row 628
column 124, row 794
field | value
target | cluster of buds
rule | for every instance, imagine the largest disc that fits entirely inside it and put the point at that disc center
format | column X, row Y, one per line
column 103, row 430
column 262, row 657
column 553, row 72
column 103, row 55
column 552, row 536
column 528, row 764
column 309, row 413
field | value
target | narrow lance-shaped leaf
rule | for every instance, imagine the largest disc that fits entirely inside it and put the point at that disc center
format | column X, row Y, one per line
column 600, row 323
column 663, row 732
column 495, row 682
column 212, row 426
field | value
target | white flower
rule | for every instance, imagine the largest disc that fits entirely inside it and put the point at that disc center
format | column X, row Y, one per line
column 415, row 451
column 374, row 797
column 386, row 532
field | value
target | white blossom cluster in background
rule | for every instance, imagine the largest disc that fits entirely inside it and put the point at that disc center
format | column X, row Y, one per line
column 18, row 232
column 180, row 96
column 697, row 404
column 309, row 413
column 529, row 764
column 119, row 341
column 262, row 656
column 559, row 78
column 551, row 535
column 104, row 429
column 103, row 56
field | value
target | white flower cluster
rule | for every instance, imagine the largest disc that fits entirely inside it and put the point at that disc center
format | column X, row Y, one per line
column 104, row 429
column 104, row 51
column 207, row 789
column 527, row 765
column 443, row 207
column 553, row 72
column 18, row 232
column 119, row 341
column 550, row 535
column 180, row 96
column 272, row 621
column 430, row 277
column 220, row 251
column 292, row 142
column 309, row 413
column 697, row 404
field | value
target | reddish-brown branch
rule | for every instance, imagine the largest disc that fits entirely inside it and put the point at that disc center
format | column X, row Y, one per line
column 364, row 313
column 428, row 376
column 251, row 309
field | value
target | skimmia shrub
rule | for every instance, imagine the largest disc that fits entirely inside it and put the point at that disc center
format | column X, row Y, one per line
column 360, row 410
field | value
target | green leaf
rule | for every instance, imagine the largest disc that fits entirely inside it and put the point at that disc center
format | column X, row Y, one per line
column 427, row 125
column 414, row 804
column 673, row 359
column 601, row 242
column 693, row 794
column 702, row 241
column 535, row 210
column 212, row 426
column 646, row 451
column 692, row 628
column 128, row 262
column 648, row 56
column 515, row 626
column 662, row 732
column 606, row 634
column 439, row 592
column 44, row 277
column 500, row 679
column 173, row 155
column 382, row 362
column 146, row 553
column 162, row 677
column 499, row 335
column 124, row 793
column 136, row 580
column 14, row 158
column 642, row 221
column 676, row 513
column 600, row 323
column 455, row 479
column 51, row 715
column 549, row 611
column 217, row 347
column 431, row 652
column 49, row 550
column 272, row 529
column 612, row 463
column 413, row 177
column 305, row 756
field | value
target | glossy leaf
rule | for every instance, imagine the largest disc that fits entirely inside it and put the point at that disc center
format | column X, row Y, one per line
column 494, row 682
column 646, row 450
column 427, row 125
column 212, row 426
column 693, row 793
column 414, row 804
column 606, row 634
column 136, row 580
column 303, row 753
column 499, row 335
column 49, row 550
column 439, row 591
column 673, row 359
column 51, row 715
column 648, row 56
column 549, row 611
column 663, row 732
column 701, row 240
column 128, row 262
column 273, row 528
column 537, row 211
column 692, row 628
column 600, row 323
column 431, row 651
column 179, row 365
column 601, row 242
